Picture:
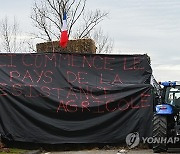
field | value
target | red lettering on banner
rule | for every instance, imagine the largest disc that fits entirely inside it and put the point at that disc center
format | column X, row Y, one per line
column 107, row 107
column 123, row 105
column 95, row 93
column 85, row 105
column 71, row 106
column 39, row 75
column 73, row 61
column 14, row 75
column 84, row 92
column 99, row 61
column 52, row 59
column 71, row 93
column 81, row 78
column 137, row 61
column 58, row 91
column 117, row 79
column 70, row 75
column 133, row 65
column 27, row 76
column 16, row 90
column 101, row 79
column 107, row 62
column 48, row 74
column 99, row 104
column 45, row 90
column 66, row 57
column 38, row 63
column 125, row 65
column 85, row 60
column 25, row 62
column 77, row 93
column 106, row 94
column 61, row 105
column 30, row 92
column 9, row 58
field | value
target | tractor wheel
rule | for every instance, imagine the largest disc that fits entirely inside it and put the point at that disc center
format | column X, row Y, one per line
column 159, row 132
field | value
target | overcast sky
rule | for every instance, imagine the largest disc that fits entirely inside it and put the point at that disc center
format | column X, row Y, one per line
column 136, row 26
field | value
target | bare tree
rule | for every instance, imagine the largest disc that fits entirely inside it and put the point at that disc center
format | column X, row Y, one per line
column 47, row 16
column 9, row 36
column 103, row 42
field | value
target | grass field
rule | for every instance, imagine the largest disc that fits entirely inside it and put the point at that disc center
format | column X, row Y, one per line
column 12, row 151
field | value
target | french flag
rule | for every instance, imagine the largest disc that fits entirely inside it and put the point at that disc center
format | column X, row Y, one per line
column 64, row 33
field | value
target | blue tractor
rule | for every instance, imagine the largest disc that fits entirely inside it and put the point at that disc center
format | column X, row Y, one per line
column 166, row 120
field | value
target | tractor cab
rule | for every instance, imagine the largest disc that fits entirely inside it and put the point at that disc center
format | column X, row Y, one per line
column 169, row 99
column 172, row 95
column 166, row 120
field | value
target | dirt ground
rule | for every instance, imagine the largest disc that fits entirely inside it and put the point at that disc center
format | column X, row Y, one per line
column 104, row 152
column 118, row 151
column 82, row 149
column 109, row 149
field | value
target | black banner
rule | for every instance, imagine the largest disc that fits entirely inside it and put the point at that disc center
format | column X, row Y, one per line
column 67, row 98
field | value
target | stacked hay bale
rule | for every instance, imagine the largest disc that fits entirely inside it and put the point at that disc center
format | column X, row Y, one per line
column 74, row 46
